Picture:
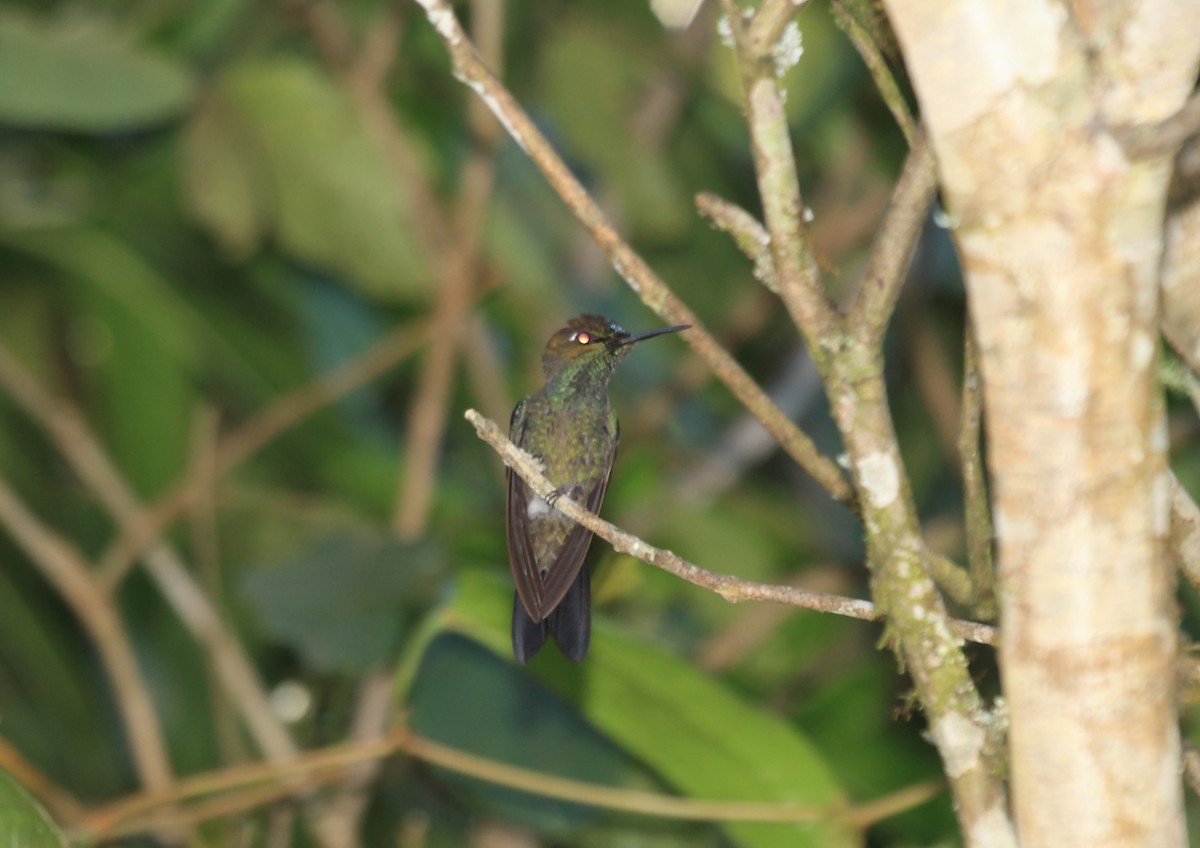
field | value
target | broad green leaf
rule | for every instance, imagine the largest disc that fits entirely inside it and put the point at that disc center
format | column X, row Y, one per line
column 23, row 822
column 343, row 603
column 694, row 732
column 467, row 697
column 144, row 397
column 84, row 77
column 277, row 148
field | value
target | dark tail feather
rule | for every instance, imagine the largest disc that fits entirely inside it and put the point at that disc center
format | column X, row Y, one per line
column 528, row 635
column 571, row 622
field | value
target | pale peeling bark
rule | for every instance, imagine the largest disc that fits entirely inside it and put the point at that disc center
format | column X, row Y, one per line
column 1060, row 235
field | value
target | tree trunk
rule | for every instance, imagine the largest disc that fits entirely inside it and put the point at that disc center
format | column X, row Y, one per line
column 1060, row 233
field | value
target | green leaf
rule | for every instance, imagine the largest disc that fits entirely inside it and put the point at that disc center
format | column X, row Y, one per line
column 343, row 603
column 277, row 148
column 692, row 730
column 23, row 822
column 466, row 697
column 84, row 78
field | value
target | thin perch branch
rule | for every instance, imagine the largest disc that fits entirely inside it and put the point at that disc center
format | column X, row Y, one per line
column 732, row 589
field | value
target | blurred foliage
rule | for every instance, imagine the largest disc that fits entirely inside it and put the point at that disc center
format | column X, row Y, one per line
column 198, row 215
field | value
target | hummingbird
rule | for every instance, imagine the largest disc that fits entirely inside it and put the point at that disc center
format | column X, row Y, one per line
column 569, row 426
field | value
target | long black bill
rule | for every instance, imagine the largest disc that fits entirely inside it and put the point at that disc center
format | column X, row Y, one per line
column 649, row 334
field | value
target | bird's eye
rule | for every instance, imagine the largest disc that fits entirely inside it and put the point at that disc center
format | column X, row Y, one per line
column 582, row 338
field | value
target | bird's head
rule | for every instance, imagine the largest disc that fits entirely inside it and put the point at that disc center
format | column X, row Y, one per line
column 593, row 341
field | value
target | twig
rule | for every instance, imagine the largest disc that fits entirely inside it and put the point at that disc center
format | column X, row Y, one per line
column 430, row 404
column 746, row 633
column 663, row 806
column 363, row 75
column 485, row 374
column 233, row 450
column 203, row 524
column 103, row 821
column 649, row 287
column 67, row 570
column 224, row 805
column 748, row 234
column 893, row 246
column 951, row 577
column 82, row 450
column 977, row 512
column 732, row 589
column 866, row 814
column 885, row 80
column 139, row 813
column 455, row 237
column 796, row 268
